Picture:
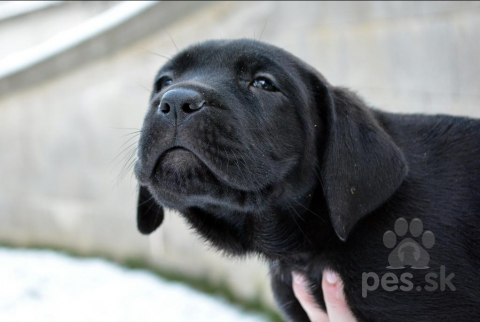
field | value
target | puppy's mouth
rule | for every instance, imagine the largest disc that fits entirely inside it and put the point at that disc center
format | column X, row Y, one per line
column 177, row 159
column 176, row 152
column 181, row 167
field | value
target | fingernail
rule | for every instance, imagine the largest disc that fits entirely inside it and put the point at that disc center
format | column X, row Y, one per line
column 331, row 277
column 298, row 278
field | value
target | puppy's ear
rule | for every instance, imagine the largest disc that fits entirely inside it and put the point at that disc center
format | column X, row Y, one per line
column 362, row 166
column 149, row 213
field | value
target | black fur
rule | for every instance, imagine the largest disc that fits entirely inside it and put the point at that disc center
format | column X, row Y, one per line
column 309, row 177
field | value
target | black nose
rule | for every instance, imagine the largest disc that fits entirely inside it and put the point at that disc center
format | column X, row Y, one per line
column 178, row 103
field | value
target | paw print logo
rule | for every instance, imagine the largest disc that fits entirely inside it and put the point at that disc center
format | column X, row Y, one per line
column 408, row 252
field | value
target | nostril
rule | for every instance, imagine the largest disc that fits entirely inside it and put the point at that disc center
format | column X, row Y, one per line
column 186, row 108
column 192, row 107
column 164, row 107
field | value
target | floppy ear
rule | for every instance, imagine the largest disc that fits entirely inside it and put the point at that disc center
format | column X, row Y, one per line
column 362, row 166
column 149, row 212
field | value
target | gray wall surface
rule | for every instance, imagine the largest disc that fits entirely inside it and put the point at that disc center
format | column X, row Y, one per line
column 58, row 137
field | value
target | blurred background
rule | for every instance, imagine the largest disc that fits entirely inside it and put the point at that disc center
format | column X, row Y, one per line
column 75, row 79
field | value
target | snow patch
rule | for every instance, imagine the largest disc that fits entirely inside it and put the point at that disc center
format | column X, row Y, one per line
column 52, row 287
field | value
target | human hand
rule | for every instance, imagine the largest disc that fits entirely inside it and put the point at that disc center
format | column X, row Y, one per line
column 332, row 286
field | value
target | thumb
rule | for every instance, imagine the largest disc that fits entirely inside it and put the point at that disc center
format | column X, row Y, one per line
column 337, row 308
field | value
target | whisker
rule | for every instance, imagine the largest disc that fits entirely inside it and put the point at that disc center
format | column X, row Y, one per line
column 319, row 178
column 156, row 216
column 127, row 156
column 123, row 151
column 133, row 136
column 128, row 168
column 134, row 132
column 299, row 216
column 308, row 209
column 125, row 128
column 263, row 29
column 173, row 41
column 149, row 208
column 296, row 223
column 144, row 87
column 141, row 204
column 157, row 54
column 131, row 155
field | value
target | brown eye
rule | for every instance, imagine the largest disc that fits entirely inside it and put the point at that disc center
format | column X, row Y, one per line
column 162, row 83
column 264, row 83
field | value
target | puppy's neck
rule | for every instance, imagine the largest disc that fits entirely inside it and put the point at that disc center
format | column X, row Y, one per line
column 297, row 225
column 300, row 226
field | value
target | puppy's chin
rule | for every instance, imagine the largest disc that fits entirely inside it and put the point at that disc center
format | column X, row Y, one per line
column 178, row 160
column 181, row 171
column 181, row 180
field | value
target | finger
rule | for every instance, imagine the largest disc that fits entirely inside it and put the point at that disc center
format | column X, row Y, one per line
column 302, row 292
column 337, row 308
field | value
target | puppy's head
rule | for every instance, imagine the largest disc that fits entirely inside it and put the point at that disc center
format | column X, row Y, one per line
column 241, row 126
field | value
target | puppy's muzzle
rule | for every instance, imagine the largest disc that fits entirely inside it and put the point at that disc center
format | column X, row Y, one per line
column 179, row 104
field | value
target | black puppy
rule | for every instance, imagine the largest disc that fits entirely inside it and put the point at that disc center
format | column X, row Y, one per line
column 262, row 155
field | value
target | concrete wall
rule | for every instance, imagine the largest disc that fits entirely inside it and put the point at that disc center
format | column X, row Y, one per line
column 58, row 137
column 16, row 32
